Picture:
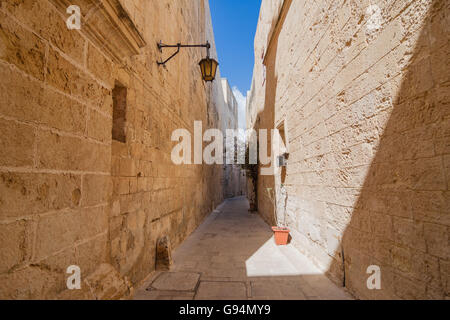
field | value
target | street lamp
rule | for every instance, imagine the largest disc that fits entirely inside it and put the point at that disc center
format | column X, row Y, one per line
column 208, row 66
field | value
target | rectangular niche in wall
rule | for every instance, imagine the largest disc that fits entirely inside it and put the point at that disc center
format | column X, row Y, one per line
column 119, row 94
column 284, row 149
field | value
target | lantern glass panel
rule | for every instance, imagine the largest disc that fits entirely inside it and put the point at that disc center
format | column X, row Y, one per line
column 214, row 65
column 208, row 69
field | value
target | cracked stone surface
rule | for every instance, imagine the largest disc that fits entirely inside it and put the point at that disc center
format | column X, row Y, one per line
column 233, row 256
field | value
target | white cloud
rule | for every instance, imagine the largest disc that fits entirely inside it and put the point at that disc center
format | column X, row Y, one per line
column 241, row 101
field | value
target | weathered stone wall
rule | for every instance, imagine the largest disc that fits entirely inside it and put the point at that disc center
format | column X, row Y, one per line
column 69, row 193
column 232, row 185
column 229, row 118
column 368, row 121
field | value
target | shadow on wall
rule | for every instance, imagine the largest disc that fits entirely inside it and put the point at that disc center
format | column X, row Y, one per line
column 401, row 219
column 266, row 119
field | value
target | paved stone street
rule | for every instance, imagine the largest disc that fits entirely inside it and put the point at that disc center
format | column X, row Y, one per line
column 232, row 255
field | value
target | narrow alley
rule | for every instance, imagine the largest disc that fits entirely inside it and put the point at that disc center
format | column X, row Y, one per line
column 232, row 255
column 161, row 150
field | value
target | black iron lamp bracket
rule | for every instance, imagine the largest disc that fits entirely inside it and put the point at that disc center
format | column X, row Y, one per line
column 161, row 46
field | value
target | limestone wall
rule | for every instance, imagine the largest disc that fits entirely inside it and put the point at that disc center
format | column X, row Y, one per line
column 232, row 185
column 69, row 193
column 229, row 119
column 365, row 99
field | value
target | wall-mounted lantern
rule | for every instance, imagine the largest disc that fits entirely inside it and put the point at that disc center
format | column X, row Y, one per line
column 208, row 66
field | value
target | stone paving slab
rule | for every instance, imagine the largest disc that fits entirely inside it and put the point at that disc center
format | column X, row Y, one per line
column 163, row 295
column 175, row 281
column 232, row 255
column 221, row 290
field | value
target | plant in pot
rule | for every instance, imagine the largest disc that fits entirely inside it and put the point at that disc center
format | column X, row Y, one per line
column 281, row 231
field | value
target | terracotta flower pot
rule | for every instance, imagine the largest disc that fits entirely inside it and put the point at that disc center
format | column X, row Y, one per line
column 281, row 235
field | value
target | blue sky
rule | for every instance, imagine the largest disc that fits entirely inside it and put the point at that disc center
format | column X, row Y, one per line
column 234, row 23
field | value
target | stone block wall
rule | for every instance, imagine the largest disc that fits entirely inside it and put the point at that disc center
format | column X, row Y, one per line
column 69, row 193
column 232, row 185
column 368, row 117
